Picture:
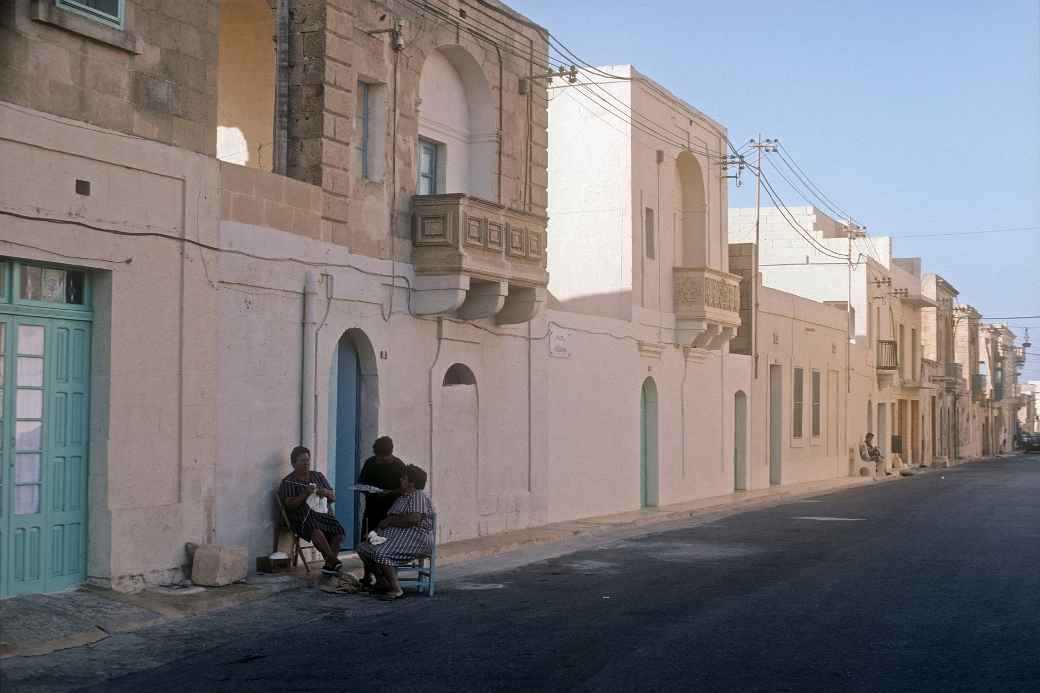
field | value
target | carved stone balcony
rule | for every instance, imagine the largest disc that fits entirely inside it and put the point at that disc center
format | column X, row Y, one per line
column 477, row 259
column 707, row 306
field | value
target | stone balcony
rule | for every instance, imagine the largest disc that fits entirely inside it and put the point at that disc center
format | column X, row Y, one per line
column 477, row 259
column 707, row 306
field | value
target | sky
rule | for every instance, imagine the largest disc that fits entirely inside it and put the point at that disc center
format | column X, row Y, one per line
column 919, row 117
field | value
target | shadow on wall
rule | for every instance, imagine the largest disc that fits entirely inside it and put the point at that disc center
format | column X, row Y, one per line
column 615, row 304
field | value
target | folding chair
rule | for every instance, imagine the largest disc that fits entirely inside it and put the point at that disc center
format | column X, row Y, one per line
column 296, row 549
column 424, row 568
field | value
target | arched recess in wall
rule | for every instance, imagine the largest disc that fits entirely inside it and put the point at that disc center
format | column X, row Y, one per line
column 457, row 437
column 694, row 213
column 353, row 421
column 740, row 470
column 458, row 126
column 649, row 471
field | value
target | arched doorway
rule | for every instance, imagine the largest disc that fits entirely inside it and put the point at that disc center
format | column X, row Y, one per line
column 458, row 126
column 458, row 485
column 649, row 491
column 694, row 212
column 353, row 423
column 740, row 481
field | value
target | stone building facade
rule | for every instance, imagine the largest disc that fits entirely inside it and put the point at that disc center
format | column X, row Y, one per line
column 147, row 71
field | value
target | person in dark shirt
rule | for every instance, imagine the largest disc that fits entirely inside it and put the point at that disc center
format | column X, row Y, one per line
column 384, row 471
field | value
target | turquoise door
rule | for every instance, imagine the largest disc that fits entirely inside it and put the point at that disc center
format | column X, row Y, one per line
column 344, row 433
column 44, row 410
column 648, row 488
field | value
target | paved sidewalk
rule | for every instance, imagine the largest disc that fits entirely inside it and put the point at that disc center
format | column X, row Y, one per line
column 43, row 623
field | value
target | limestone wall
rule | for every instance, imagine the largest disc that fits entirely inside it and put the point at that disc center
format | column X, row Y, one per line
column 151, row 78
column 335, row 44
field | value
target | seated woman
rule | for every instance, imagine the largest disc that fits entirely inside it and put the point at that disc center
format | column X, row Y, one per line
column 409, row 532
column 306, row 495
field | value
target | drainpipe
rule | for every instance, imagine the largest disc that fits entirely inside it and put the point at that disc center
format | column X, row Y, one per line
column 308, row 418
column 281, row 94
column 429, row 401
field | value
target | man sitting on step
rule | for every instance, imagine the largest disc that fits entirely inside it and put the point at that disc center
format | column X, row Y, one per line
column 868, row 452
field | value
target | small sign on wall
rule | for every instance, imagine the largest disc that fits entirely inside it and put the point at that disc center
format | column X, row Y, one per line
column 558, row 346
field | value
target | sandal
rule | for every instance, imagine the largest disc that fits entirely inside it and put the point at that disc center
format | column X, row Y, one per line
column 333, row 569
column 391, row 597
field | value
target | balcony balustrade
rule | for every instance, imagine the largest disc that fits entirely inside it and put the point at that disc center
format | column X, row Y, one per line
column 707, row 306
column 477, row 259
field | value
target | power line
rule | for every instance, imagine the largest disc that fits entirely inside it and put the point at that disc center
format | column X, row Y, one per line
column 825, row 201
column 828, row 203
column 969, row 233
column 793, row 222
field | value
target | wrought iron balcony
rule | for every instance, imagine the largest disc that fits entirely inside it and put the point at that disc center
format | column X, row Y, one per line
column 887, row 357
column 707, row 306
column 477, row 259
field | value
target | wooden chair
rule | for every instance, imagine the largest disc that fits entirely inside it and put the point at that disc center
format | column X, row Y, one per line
column 423, row 570
column 297, row 547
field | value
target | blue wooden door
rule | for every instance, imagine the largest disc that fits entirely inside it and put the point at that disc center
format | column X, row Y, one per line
column 44, row 410
column 344, row 437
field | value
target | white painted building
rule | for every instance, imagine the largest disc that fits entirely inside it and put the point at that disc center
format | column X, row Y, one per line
column 641, row 304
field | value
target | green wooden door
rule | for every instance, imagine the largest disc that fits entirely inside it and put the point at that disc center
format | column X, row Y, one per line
column 44, row 409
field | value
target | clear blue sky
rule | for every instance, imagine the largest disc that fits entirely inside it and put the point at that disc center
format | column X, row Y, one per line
column 917, row 117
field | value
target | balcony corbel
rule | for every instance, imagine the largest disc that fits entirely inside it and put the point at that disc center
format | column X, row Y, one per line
column 521, row 305
column 484, row 299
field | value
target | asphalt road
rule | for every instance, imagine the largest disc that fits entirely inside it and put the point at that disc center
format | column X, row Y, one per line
column 925, row 584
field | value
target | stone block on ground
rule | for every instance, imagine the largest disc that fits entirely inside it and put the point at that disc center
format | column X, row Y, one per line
column 215, row 565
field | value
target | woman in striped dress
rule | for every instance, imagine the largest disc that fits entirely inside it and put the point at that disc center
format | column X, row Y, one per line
column 306, row 495
column 409, row 533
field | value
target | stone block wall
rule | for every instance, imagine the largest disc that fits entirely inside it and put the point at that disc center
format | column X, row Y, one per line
column 256, row 197
column 742, row 261
column 336, row 43
column 155, row 78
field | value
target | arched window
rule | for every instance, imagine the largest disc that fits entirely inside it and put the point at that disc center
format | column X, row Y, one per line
column 694, row 212
column 458, row 374
column 458, row 131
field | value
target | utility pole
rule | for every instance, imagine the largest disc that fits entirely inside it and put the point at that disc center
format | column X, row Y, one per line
column 767, row 145
column 852, row 231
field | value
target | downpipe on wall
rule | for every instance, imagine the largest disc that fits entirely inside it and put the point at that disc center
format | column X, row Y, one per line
column 309, row 366
column 429, row 400
column 308, row 372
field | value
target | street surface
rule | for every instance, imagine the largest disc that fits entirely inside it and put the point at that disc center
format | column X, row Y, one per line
column 925, row 584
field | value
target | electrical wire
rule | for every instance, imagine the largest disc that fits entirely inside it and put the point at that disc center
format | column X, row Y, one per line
column 969, row 233
column 815, row 191
column 793, row 222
